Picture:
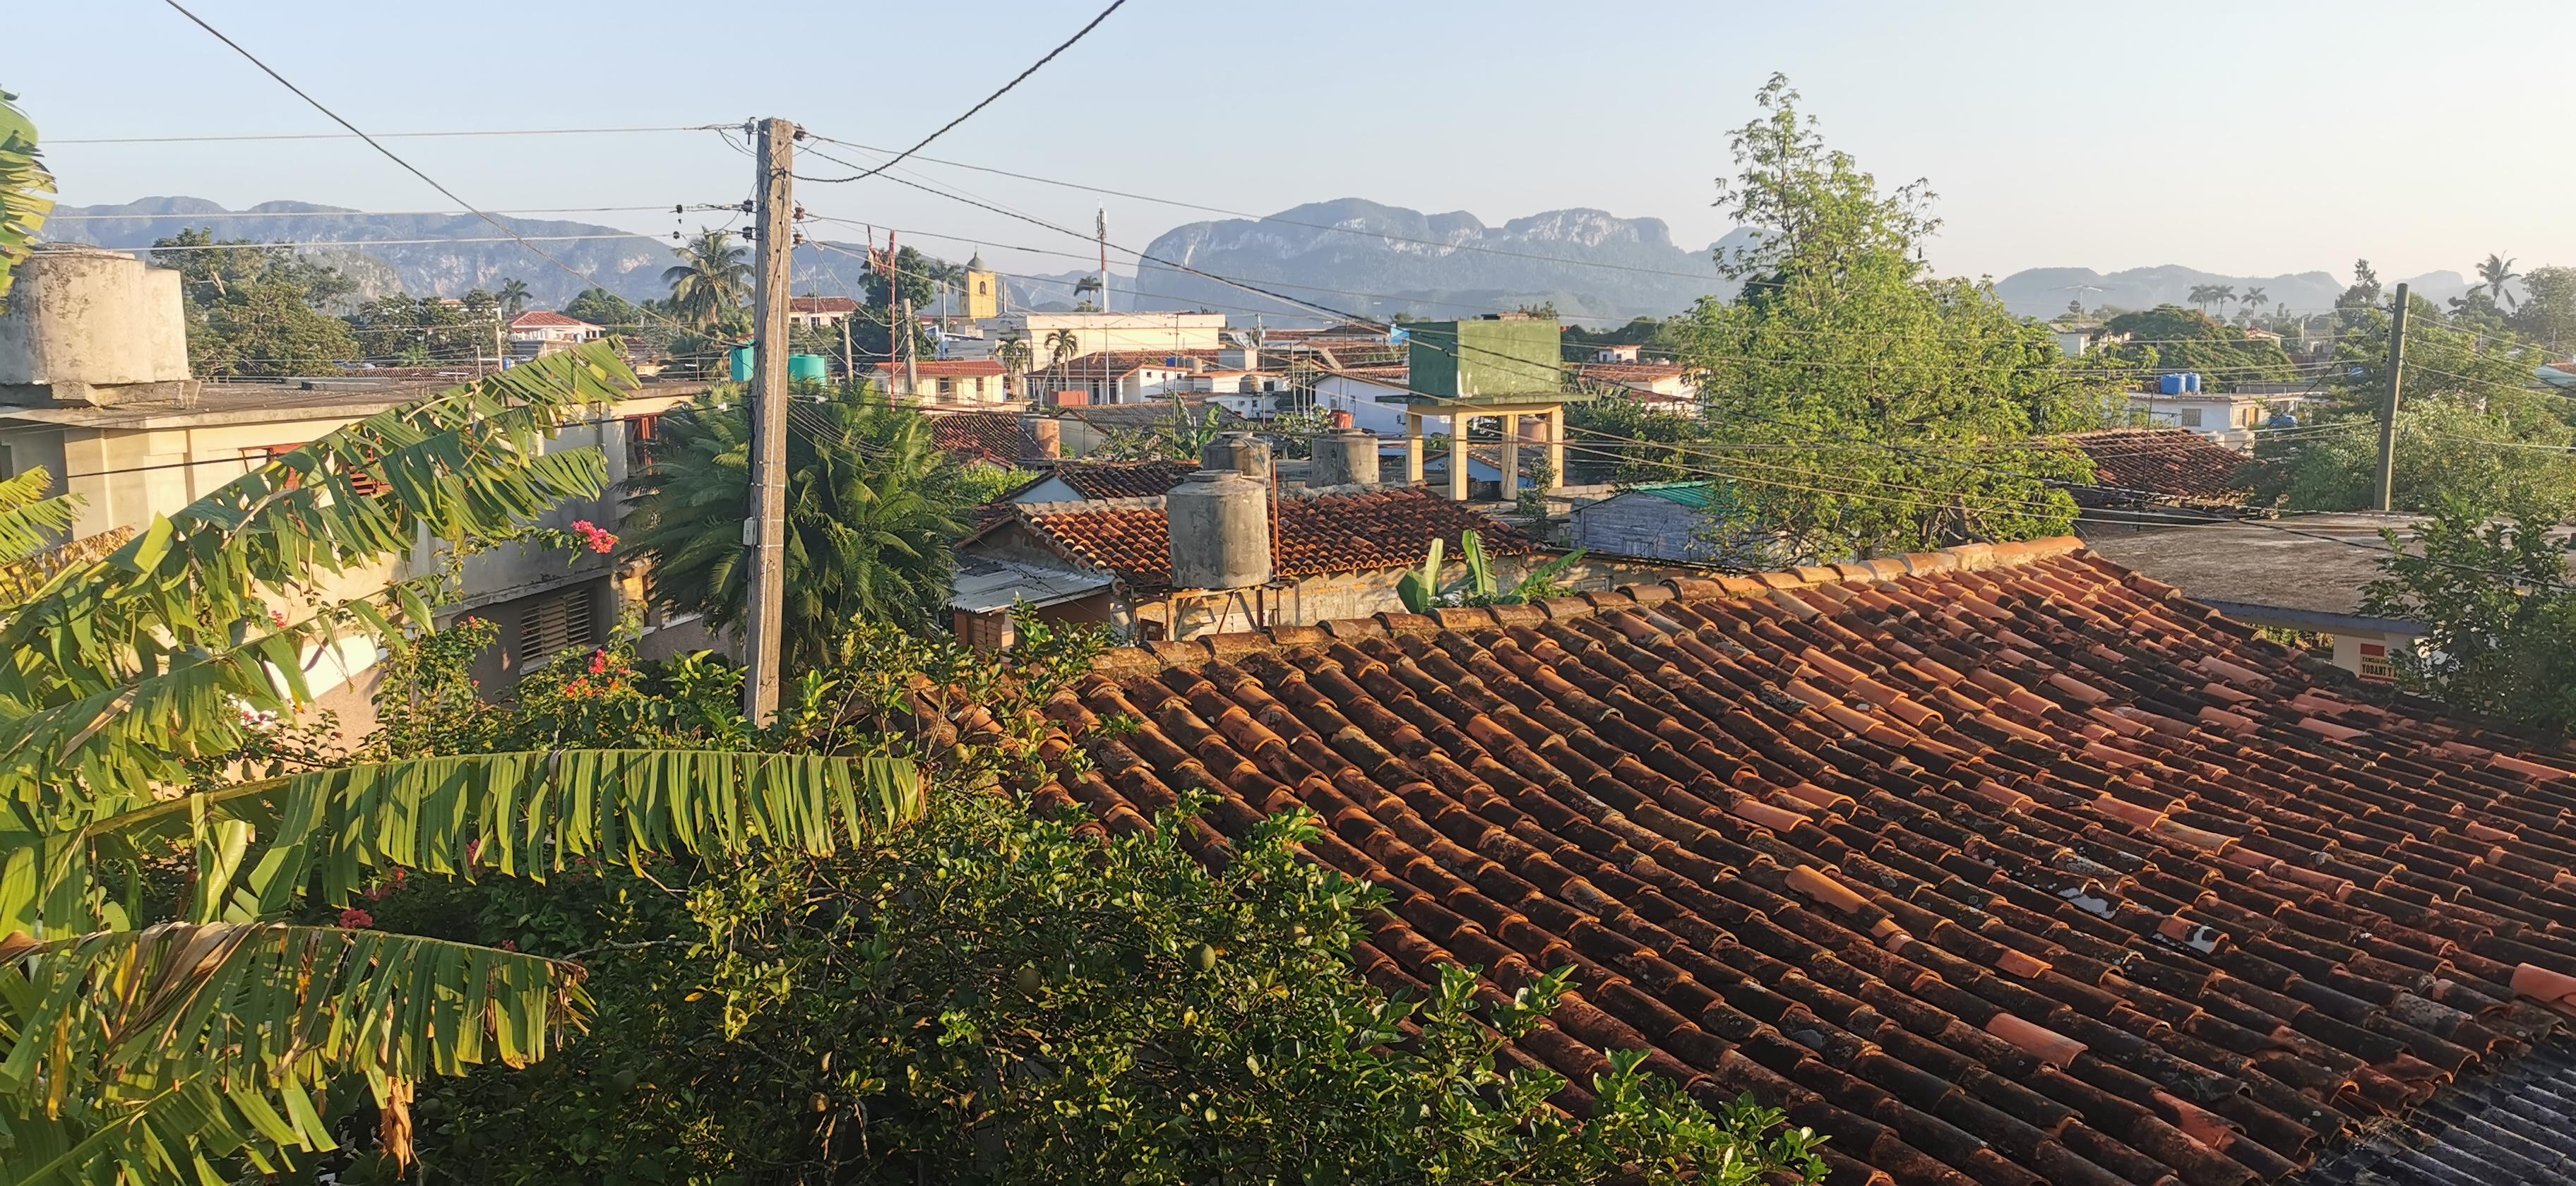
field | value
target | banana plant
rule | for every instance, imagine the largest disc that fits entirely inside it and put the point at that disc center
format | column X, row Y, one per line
column 198, row 1043
column 26, row 190
column 1422, row 591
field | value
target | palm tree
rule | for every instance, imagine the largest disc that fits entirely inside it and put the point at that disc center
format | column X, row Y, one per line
column 872, row 504
column 513, row 295
column 1013, row 353
column 2493, row 274
column 2256, row 298
column 26, row 190
column 1061, row 345
column 712, row 278
column 188, row 1038
column 2203, row 295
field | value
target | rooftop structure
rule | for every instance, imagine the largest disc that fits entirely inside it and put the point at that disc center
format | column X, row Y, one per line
column 2161, row 465
column 1997, row 865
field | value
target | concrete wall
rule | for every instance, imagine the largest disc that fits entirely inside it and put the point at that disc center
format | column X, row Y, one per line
column 1634, row 524
column 1503, row 356
column 1113, row 331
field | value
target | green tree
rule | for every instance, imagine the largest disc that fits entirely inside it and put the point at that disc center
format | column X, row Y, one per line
column 2172, row 338
column 712, row 279
column 422, row 331
column 1847, row 390
column 26, row 190
column 2499, row 602
column 601, row 307
column 2468, row 423
column 2256, row 298
column 2547, row 314
column 513, row 295
column 134, row 857
column 254, row 309
column 872, row 504
column 1062, row 345
column 921, row 278
column 1012, row 351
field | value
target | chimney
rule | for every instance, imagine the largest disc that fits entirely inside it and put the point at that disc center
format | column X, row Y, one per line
column 94, row 328
column 1344, row 458
column 1240, row 452
column 1046, row 437
column 1220, row 531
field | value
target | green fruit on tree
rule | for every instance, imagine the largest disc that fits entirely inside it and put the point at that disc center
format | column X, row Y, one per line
column 1203, row 957
column 1029, row 981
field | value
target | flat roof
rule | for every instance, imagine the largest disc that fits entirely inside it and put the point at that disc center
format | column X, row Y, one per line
column 220, row 404
column 987, row 583
column 2307, row 563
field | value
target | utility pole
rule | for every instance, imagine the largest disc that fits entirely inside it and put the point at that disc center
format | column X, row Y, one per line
column 765, row 531
column 849, row 361
column 1102, row 225
column 911, row 356
column 2388, row 412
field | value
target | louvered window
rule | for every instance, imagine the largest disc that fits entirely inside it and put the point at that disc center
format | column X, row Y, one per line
column 556, row 623
column 363, row 484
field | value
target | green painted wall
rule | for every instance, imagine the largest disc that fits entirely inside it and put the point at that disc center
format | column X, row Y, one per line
column 1483, row 359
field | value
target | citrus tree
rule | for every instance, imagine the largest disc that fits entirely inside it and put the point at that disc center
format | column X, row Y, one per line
column 163, row 1016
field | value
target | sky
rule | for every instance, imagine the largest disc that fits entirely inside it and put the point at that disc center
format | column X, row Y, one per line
column 2249, row 138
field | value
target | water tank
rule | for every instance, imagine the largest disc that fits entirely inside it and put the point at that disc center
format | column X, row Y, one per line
column 2169, row 384
column 741, row 360
column 93, row 327
column 1241, row 452
column 815, row 367
column 2191, row 382
column 1344, row 458
column 1220, row 531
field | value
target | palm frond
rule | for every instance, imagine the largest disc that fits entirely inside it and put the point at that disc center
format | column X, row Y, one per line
column 31, row 522
column 523, row 814
column 97, row 1027
column 26, row 190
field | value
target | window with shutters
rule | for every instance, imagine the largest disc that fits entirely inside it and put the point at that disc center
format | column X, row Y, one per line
column 640, row 431
column 556, row 623
column 364, row 484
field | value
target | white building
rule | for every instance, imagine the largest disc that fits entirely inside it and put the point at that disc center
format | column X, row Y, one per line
column 1097, row 333
column 944, row 381
column 2226, row 417
column 546, row 328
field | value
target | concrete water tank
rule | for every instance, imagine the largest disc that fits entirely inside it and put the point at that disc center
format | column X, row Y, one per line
column 1241, row 452
column 1344, row 458
column 93, row 327
column 1220, row 531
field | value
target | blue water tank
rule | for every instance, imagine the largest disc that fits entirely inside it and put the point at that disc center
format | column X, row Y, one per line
column 2191, row 383
column 2169, row 384
column 809, row 366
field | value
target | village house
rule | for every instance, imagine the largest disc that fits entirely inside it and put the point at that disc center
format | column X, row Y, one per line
column 1096, row 333
column 819, row 312
column 2159, row 471
column 539, row 332
column 2227, row 417
column 2304, row 581
column 1675, row 522
column 943, row 381
column 95, row 388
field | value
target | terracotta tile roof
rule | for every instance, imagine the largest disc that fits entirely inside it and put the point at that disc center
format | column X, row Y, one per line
column 822, row 304
column 1999, row 865
column 548, row 319
column 1125, row 479
column 993, row 438
column 2176, row 464
column 1349, row 531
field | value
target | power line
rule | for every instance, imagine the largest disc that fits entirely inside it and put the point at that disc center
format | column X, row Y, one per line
column 358, row 213
column 393, row 242
column 1022, row 76
column 352, row 134
column 390, row 154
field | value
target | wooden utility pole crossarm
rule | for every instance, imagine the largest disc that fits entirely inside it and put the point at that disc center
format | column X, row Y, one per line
column 765, row 531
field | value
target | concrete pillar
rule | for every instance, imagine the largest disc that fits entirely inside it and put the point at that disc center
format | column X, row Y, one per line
column 1511, row 484
column 1413, row 447
column 1556, row 446
column 1458, row 456
column 1046, row 437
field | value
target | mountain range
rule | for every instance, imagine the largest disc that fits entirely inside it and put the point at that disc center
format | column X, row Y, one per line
column 1349, row 255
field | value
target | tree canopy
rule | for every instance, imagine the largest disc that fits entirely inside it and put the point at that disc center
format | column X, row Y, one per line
column 1861, row 405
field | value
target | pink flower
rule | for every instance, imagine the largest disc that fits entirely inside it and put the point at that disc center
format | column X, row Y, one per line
column 356, row 919
column 598, row 662
column 278, row 616
column 507, row 945
column 598, row 539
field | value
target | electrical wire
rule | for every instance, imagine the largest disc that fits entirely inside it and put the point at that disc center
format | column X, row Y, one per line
column 1022, row 76
column 128, row 217
column 352, row 134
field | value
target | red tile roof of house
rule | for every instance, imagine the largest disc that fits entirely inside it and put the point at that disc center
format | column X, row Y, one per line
column 996, row 439
column 1118, row 364
column 822, row 304
column 2173, row 464
column 948, row 368
column 548, row 319
column 1124, row 479
column 1346, row 531
column 1996, row 865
